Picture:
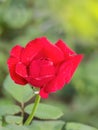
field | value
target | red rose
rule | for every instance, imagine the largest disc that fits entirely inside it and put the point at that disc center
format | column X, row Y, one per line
column 43, row 65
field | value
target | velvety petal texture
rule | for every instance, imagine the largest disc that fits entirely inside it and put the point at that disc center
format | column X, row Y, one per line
column 31, row 50
column 51, row 51
column 21, row 70
column 14, row 59
column 65, row 49
column 12, row 69
column 68, row 68
column 44, row 65
column 16, row 51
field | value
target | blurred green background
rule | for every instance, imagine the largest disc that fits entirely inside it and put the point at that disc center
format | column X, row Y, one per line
column 74, row 21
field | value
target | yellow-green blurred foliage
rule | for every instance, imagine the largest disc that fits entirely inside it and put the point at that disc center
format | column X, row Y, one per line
column 79, row 18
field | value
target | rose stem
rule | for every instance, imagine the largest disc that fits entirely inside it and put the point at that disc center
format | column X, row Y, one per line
column 31, row 116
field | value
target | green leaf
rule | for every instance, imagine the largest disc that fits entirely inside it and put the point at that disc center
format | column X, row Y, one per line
column 78, row 126
column 45, row 111
column 9, row 109
column 20, row 93
column 46, row 125
column 15, row 127
column 6, row 101
column 14, row 119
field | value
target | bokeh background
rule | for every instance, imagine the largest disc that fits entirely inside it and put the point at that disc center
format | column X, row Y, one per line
column 74, row 21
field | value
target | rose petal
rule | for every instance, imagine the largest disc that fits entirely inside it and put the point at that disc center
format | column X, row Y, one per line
column 17, row 79
column 64, row 75
column 38, row 82
column 56, row 84
column 12, row 65
column 69, row 67
column 41, row 69
column 21, row 70
column 52, row 51
column 40, row 72
column 34, row 47
column 43, row 94
column 66, row 50
column 31, row 50
column 34, row 69
column 16, row 51
column 35, row 82
column 12, row 62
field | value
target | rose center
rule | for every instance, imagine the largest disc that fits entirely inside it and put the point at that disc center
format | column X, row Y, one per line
column 41, row 68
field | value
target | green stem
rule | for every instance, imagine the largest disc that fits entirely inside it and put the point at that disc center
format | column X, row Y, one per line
column 31, row 116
